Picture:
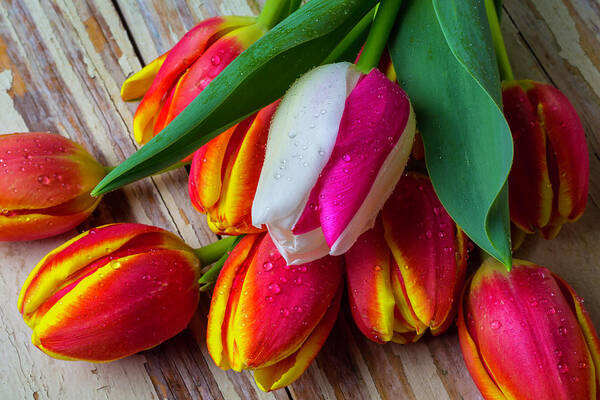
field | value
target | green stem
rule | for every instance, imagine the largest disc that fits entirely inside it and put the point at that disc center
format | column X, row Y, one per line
column 210, row 276
column 214, row 251
column 274, row 11
column 378, row 35
column 502, row 56
column 356, row 34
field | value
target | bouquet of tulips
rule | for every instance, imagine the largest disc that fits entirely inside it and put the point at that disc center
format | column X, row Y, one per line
column 300, row 126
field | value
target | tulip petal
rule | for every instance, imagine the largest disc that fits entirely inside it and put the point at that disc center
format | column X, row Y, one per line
column 138, row 84
column 85, row 325
column 429, row 248
column 526, row 332
column 43, row 223
column 179, row 59
column 281, row 305
column 530, row 190
column 291, row 368
column 312, row 244
column 64, row 262
column 586, row 324
column 301, row 139
column 240, row 177
column 218, row 316
column 473, row 358
column 568, row 155
column 375, row 137
column 369, row 286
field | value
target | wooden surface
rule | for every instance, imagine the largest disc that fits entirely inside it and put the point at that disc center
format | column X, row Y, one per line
column 61, row 67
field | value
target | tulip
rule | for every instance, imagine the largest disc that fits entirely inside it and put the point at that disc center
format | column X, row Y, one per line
column 172, row 81
column 548, row 183
column 46, row 181
column 270, row 317
column 525, row 334
column 337, row 145
column 405, row 275
column 225, row 173
column 111, row 292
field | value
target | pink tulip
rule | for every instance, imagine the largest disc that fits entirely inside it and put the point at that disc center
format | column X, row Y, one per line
column 338, row 143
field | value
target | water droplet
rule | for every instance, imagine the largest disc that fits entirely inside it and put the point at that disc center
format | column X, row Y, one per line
column 563, row 368
column 574, row 379
column 533, row 302
column 302, row 268
column 321, row 153
column 442, row 235
column 269, row 299
column 273, row 287
column 284, row 312
column 346, row 157
column 323, row 111
column 268, row 266
column 297, row 308
column 116, row 265
column 582, row 364
column 436, row 210
column 298, row 281
column 557, row 352
column 496, row 324
column 428, row 234
column 215, row 60
column 277, row 176
column 551, row 311
column 377, row 268
column 292, row 134
column 562, row 331
column 44, row 180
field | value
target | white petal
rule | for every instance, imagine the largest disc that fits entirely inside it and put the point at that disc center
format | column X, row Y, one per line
column 301, row 139
column 299, row 249
column 385, row 182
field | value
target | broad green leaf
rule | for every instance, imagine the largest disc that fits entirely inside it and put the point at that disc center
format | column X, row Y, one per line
column 256, row 78
column 443, row 56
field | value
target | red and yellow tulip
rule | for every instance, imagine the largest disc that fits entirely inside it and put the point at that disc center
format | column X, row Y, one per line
column 46, row 181
column 526, row 335
column 271, row 317
column 172, row 81
column 548, row 182
column 225, row 173
column 405, row 275
column 111, row 292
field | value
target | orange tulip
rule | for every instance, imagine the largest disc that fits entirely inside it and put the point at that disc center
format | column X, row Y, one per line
column 548, row 182
column 404, row 275
column 173, row 80
column 225, row 173
column 111, row 292
column 46, row 181
column 271, row 317
column 526, row 335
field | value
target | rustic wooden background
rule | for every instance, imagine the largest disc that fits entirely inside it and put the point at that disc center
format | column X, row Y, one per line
column 61, row 67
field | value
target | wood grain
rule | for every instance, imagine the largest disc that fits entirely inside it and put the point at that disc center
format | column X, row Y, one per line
column 61, row 67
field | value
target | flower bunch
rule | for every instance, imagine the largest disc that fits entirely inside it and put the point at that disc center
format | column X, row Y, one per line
column 302, row 159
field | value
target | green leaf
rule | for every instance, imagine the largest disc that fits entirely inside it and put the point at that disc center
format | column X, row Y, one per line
column 256, row 78
column 443, row 56
column 498, row 4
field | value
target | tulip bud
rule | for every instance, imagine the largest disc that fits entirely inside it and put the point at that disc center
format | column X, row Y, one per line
column 173, row 80
column 525, row 334
column 548, row 182
column 46, row 181
column 270, row 317
column 405, row 275
column 338, row 144
column 225, row 173
column 111, row 292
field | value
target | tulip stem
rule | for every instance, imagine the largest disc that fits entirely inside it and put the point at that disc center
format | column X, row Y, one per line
column 506, row 72
column 226, row 246
column 276, row 10
column 214, row 251
column 378, row 35
column 354, row 39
